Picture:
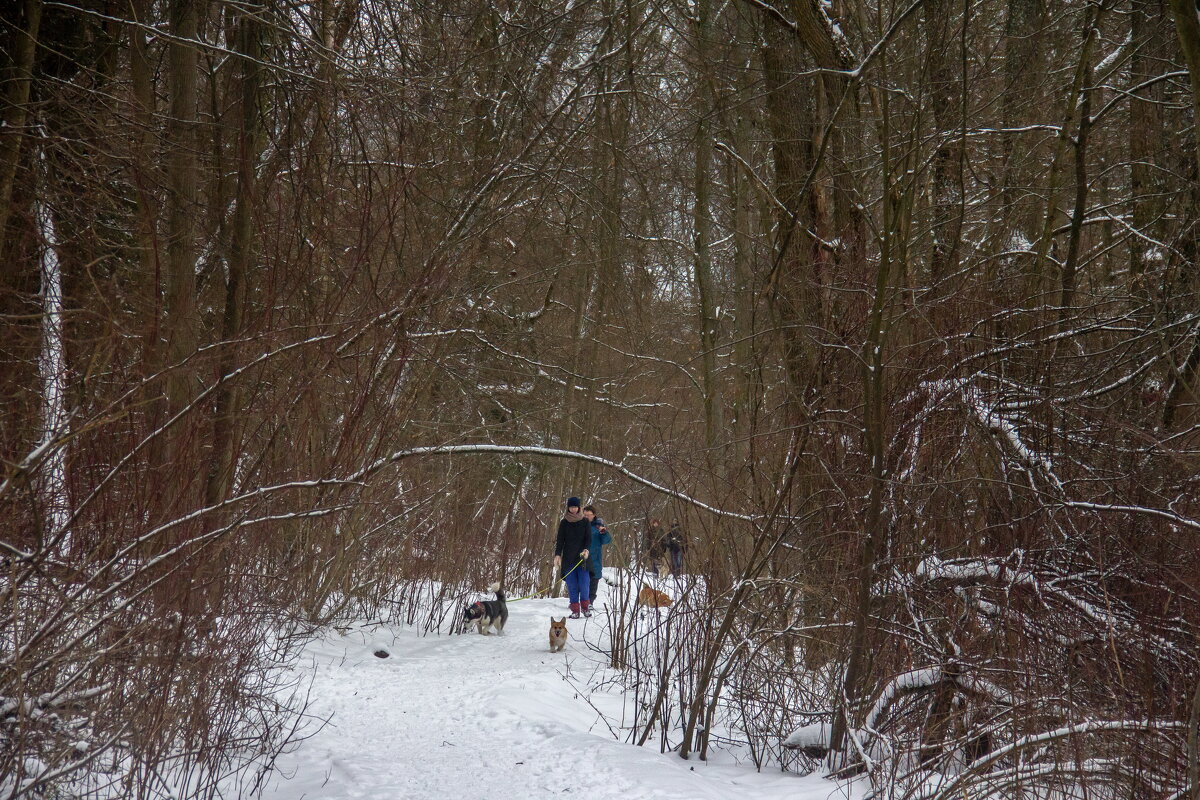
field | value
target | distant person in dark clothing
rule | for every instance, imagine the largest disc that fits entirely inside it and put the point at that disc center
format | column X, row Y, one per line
column 677, row 545
column 571, row 557
column 600, row 537
column 656, row 544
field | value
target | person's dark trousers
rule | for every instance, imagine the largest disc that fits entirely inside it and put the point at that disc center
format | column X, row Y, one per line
column 594, row 586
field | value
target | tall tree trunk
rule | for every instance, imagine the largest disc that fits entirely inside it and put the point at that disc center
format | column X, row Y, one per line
column 949, row 113
column 146, row 176
column 52, row 369
column 1036, row 281
column 20, row 84
column 1022, row 71
column 705, row 106
column 745, row 233
column 874, row 431
column 1187, row 28
column 1075, row 232
column 1193, row 745
column 609, row 172
column 249, row 146
column 810, row 218
column 1149, row 29
column 182, row 319
column 801, row 266
column 819, row 205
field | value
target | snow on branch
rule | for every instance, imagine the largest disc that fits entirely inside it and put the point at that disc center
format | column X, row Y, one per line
column 1066, row 731
column 30, row 462
column 62, row 698
column 550, row 452
column 992, row 420
column 1152, row 512
column 1004, row 428
column 970, row 570
column 813, row 738
column 967, row 571
column 923, row 679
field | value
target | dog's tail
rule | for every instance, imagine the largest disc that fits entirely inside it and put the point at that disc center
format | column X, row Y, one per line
column 495, row 587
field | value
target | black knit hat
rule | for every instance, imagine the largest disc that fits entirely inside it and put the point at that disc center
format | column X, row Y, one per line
column 573, row 502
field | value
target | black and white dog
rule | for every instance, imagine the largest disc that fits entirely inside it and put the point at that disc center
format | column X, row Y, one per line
column 488, row 613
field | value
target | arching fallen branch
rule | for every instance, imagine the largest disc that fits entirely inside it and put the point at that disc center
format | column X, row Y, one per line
column 551, row 452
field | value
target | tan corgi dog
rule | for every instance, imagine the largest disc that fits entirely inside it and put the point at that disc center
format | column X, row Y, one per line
column 652, row 597
column 558, row 634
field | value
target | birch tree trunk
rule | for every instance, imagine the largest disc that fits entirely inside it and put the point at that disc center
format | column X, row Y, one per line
column 52, row 369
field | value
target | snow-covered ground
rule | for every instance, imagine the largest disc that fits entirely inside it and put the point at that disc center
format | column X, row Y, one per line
column 473, row 717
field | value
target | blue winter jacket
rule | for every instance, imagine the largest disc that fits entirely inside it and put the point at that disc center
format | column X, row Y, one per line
column 598, row 541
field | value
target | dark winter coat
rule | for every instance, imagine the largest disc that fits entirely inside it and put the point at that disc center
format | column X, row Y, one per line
column 656, row 542
column 596, row 550
column 573, row 538
column 676, row 541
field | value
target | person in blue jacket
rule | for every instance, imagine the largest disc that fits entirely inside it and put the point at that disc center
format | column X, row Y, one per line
column 600, row 537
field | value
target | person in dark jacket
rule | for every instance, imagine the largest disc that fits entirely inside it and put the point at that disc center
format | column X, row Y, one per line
column 656, row 544
column 677, row 545
column 571, row 557
column 600, row 537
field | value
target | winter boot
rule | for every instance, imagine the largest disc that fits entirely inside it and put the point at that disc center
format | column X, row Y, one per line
column 587, row 608
column 574, row 610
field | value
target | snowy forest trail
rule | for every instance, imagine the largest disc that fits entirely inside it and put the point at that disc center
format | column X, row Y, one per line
column 475, row 717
